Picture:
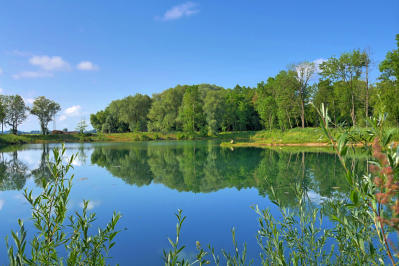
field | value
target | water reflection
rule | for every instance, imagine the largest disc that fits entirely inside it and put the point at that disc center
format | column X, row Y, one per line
column 13, row 172
column 196, row 167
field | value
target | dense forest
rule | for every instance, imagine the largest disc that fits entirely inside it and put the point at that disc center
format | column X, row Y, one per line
column 284, row 101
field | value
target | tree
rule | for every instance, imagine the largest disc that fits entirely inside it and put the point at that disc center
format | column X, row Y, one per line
column 44, row 109
column 164, row 111
column 265, row 103
column 304, row 72
column 81, row 127
column 390, row 66
column 190, row 113
column 214, row 108
column 325, row 95
column 3, row 111
column 347, row 69
column 134, row 110
column 286, row 99
column 386, row 95
column 16, row 112
column 367, row 63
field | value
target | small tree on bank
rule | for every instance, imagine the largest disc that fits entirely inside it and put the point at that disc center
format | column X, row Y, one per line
column 15, row 112
column 81, row 127
column 44, row 109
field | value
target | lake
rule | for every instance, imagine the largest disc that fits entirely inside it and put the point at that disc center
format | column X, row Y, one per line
column 147, row 182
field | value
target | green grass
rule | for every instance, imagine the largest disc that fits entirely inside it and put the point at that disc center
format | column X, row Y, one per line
column 296, row 136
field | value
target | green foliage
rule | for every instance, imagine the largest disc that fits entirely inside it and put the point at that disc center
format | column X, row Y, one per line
column 134, row 110
column 49, row 211
column 347, row 69
column 15, row 112
column 190, row 113
column 81, row 126
column 3, row 111
column 165, row 109
column 45, row 110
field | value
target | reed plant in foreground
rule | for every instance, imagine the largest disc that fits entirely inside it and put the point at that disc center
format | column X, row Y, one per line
column 56, row 242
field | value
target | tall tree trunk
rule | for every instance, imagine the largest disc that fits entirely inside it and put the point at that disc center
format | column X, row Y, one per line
column 303, row 113
column 367, row 90
column 289, row 119
column 353, row 110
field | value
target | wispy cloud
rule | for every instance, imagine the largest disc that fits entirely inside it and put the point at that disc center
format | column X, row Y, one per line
column 70, row 112
column 32, row 74
column 29, row 101
column 49, row 63
column 17, row 52
column 317, row 64
column 184, row 10
column 87, row 66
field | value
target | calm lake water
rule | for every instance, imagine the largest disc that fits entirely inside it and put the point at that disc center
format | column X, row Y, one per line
column 148, row 181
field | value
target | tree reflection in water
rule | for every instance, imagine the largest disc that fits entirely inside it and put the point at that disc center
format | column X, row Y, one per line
column 199, row 167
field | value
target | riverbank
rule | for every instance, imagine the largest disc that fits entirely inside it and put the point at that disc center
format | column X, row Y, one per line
column 297, row 137
column 9, row 139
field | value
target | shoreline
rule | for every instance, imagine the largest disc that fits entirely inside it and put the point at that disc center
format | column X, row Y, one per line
column 297, row 137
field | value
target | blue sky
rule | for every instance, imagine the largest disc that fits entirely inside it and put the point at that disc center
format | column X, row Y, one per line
column 84, row 54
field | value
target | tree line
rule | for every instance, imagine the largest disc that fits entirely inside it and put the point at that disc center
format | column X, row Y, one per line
column 283, row 101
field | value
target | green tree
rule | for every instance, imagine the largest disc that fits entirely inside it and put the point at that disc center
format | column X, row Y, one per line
column 134, row 110
column 325, row 95
column 190, row 113
column 265, row 103
column 44, row 109
column 346, row 69
column 386, row 94
column 285, row 85
column 3, row 111
column 16, row 112
column 214, row 109
column 390, row 66
column 81, row 126
column 98, row 119
column 164, row 111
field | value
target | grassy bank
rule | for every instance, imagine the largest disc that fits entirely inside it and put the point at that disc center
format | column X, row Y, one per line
column 312, row 137
column 9, row 139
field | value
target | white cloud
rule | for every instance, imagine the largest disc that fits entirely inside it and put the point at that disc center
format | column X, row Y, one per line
column 90, row 205
column 29, row 100
column 317, row 63
column 184, row 10
column 87, row 66
column 17, row 52
column 48, row 63
column 71, row 111
column 32, row 74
